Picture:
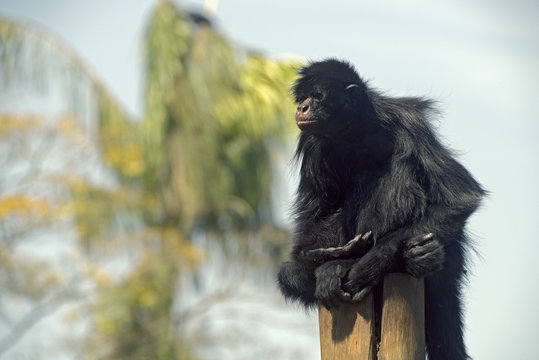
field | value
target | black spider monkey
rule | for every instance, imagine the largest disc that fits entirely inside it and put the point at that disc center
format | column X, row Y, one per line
column 378, row 193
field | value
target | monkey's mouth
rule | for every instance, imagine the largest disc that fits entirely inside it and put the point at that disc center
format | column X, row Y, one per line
column 304, row 123
column 302, row 119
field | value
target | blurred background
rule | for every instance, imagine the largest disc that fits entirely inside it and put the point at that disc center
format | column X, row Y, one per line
column 145, row 173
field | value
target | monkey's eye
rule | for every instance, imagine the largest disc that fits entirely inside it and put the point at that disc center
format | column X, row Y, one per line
column 318, row 95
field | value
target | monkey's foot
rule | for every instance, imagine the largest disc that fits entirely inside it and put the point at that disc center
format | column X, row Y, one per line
column 355, row 247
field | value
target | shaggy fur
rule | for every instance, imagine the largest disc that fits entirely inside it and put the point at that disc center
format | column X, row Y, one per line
column 372, row 163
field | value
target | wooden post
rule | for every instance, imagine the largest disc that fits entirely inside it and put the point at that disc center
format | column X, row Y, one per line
column 403, row 319
column 349, row 332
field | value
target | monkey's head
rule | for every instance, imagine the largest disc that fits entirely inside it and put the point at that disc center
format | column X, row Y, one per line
column 332, row 98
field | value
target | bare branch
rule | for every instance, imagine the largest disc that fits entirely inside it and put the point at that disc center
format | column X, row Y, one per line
column 33, row 317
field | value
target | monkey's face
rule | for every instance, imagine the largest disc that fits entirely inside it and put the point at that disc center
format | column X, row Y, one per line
column 312, row 113
column 328, row 94
column 326, row 111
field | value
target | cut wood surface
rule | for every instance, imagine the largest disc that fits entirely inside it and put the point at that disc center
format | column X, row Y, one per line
column 403, row 319
column 348, row 332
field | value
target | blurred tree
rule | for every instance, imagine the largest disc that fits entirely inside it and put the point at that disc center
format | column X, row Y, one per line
column 27, row 211
column 198, row 162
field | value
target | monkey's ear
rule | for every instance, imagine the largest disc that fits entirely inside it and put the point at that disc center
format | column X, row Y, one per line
column 358, row 98
column 354, row 92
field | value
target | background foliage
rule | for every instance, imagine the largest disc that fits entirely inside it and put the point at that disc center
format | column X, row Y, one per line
column 120, row 216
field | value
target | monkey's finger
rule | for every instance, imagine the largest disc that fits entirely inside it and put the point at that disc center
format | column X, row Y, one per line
column 319, row 253
column 357, row 238
column 327, row 253
column 357, row 241
column 427, row 237
column 367, row 235
column 346, row 296
column 335, row 301
column 360, row 295
column 427, row 248
column 322, row 254
column 421, row 239
column 349, row 245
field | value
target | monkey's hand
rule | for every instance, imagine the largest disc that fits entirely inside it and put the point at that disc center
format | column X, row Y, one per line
column 330, row 277
column 354, row 248
column 423, row 254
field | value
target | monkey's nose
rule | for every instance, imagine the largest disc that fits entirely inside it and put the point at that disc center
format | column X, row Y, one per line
column 303, row 113
column 305, row 106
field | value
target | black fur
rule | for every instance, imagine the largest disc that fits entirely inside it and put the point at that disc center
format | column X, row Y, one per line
column 370, row 162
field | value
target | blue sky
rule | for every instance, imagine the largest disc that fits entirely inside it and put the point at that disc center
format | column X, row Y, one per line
column 479, row 60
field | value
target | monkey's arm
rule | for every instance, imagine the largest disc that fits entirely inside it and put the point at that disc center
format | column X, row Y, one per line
column 421, row 255
column 398, row 251
column 313, row 275
column 343, row 280
column 297, row 282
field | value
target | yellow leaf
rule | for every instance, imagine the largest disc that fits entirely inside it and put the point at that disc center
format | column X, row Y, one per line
column 10, row 123
column 24, row 205
column 148, row 298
